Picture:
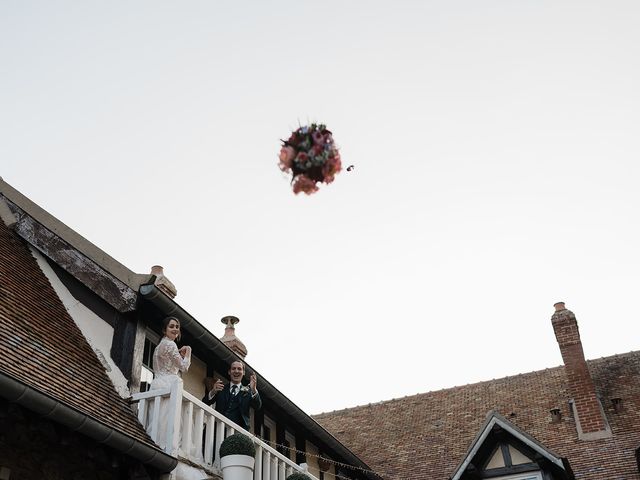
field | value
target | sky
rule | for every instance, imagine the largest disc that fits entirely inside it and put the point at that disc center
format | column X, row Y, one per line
column 496, row 171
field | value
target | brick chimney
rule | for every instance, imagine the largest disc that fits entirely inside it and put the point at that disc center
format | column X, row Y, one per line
column 162, row 282
column 230, row 339
column 587, row 411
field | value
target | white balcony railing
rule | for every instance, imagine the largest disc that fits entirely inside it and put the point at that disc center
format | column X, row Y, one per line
column 179, row 423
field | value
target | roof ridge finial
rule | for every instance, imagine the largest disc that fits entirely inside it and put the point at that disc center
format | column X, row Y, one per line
column 230, row 339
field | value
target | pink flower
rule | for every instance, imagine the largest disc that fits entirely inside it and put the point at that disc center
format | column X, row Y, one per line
column 312, row 151
column 318, row 138
column 287, row 154
column 331, row 167
column 304, row 184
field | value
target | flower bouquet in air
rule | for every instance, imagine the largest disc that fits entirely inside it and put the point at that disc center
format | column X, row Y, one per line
column 311, row 157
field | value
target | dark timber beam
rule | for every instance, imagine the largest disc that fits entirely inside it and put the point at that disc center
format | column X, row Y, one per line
column 115, row 292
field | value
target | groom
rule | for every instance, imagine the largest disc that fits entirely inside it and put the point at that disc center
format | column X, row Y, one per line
column 234, row 400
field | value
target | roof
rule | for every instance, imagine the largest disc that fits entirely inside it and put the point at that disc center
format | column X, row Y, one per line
column 107, row 277
column 43, row 348
column 125, row 291
column 428, row 435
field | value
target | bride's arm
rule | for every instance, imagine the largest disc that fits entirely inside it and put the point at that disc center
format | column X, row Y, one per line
column 177, row 359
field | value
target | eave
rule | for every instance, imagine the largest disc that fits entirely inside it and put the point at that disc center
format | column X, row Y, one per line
column 50, row 408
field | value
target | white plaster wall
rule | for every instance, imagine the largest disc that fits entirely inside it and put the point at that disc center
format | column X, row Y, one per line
column 98, row 333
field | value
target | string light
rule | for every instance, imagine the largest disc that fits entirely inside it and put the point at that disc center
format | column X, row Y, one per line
column 335, row 463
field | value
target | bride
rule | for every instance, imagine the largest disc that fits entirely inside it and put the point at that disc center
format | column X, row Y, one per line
column 168, row 362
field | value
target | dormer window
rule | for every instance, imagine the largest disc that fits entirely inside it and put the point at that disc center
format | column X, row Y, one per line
column 506, row 455
column 502, row 451
column 526, row 476
column 506, row 458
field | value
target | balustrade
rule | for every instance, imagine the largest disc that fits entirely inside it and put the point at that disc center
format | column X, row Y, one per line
column 186, row 428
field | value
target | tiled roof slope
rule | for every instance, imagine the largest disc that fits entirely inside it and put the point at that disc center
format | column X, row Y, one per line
column 425, row 436
column 42, row 347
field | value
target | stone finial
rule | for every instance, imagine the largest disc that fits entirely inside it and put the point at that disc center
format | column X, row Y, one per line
column 230, row 339
column 163, row 283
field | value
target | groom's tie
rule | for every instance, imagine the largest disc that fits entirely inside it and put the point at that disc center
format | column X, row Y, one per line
column 234, row 390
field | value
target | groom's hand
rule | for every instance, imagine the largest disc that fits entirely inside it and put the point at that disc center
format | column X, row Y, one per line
column 218, row 386
column 253, row 383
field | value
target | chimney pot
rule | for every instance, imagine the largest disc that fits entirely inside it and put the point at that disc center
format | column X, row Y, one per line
column 157, row 270
column 617, row 404
column 559, row 306
column 230, row 320
column 162, row 282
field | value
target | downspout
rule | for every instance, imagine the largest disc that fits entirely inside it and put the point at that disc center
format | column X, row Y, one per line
column 47, row 407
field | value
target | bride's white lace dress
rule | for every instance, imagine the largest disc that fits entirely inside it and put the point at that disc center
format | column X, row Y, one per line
column 167, row 366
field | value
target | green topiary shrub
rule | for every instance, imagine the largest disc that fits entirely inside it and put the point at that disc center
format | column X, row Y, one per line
column 298, row 476
column 237, row 444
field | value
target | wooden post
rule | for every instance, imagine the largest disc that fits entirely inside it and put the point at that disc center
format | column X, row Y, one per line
column 208, row 443
column 197, row 433
column 257, row 471
column 155, row 419
column 127, row 347
column 219, row 435
column 142, row 411
column 266, row 467
column 187, row 426
column 274, row 468
column 174, row 415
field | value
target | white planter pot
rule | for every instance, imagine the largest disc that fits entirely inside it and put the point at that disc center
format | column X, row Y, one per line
column 237, row 467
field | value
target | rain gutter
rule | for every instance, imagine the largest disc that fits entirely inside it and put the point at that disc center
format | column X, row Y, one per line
column 47, row 407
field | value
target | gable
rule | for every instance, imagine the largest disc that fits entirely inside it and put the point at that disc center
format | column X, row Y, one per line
column 44, row 348
column 502, row 450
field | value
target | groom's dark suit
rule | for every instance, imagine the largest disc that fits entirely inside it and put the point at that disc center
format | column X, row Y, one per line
column 235, row 407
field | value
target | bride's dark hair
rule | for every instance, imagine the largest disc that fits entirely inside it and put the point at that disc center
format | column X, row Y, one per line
column 165, row 324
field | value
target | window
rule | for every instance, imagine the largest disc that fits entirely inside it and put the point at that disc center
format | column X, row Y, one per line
column 525, row 476
column 268, row 430
column 506, row 455
column 504, row 458
column 146, row 375
column 285, row 449
column 266, row 434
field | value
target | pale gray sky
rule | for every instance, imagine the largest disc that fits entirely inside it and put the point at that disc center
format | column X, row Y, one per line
column 496, row 153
